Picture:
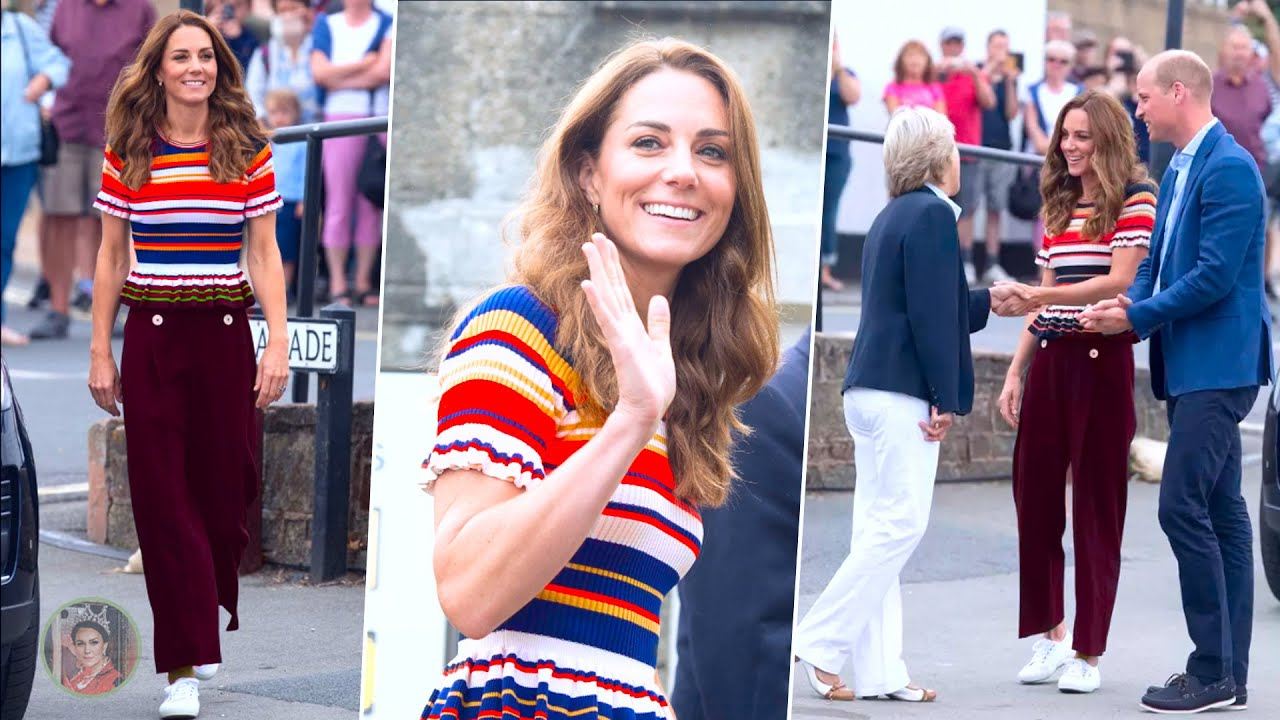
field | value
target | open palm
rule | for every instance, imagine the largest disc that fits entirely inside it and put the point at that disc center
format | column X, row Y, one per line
column 641, row 358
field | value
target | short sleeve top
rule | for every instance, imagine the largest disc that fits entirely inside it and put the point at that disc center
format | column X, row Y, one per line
column 914, row 94
column 187, row 228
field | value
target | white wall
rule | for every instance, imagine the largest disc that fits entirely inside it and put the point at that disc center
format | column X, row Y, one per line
column 870, row 37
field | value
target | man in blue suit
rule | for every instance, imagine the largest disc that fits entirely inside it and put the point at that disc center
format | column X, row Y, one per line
column 1198, row 296
column 737, row 603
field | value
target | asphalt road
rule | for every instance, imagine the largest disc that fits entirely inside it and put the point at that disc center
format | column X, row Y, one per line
column 960, row 597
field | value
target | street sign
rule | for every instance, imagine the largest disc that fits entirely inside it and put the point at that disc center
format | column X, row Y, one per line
column 313, row 343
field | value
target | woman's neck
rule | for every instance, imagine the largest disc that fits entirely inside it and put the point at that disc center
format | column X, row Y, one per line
column 1089, row 187
column 187, row 124
column 909, row 78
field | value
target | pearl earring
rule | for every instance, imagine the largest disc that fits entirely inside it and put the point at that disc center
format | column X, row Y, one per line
column 595, row 207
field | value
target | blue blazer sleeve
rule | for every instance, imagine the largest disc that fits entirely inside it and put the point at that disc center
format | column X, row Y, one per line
column 1228, row 205
column 979, row 309
column 1142, row 281
column 931, row 256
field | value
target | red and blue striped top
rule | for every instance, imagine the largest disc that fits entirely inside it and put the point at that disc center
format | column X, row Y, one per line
column 508, row 409
column 187, row 229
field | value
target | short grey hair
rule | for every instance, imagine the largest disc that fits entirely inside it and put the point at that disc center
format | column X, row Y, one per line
column 1061, row 47
column 917, row 149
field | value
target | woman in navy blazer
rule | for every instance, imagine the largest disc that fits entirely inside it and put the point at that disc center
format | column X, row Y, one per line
column 911, row 372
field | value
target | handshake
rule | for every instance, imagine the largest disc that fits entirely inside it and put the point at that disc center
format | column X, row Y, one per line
column 1012, row 299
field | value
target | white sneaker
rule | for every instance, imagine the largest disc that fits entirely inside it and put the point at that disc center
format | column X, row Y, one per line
column 181, row 700
column 1047, row 657
column 1079, row 677
column 206, row 672
column 970, row 274
column 994, row 274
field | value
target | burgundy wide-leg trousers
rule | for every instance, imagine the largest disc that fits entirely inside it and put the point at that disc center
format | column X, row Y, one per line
column 1077, row 412
column 192, row 436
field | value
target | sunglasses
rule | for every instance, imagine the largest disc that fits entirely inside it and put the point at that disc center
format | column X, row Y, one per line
column 1058, row 61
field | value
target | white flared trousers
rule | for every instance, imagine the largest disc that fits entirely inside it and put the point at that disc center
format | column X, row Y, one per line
column 858, row 616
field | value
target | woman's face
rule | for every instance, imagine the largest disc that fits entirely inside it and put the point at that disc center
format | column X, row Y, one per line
column 1077, row 143
column 664, row 178
column 89, row 647
column 914, row 63
column 188, row 70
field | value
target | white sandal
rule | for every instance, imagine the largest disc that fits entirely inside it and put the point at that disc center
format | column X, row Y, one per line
column 836, row 691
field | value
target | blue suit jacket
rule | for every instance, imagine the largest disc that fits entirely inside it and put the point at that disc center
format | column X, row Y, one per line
column 737, row 602
column 1210, row 328
column 917, row 309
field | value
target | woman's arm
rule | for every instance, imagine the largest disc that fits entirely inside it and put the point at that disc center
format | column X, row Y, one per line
column 1010, row 400
column 266, row 273
column 331, row 76
column 1031, row 122
column 892, row 103
column 488, row 528
column 1010, row 95
column 1124, row 266
column 110, row 272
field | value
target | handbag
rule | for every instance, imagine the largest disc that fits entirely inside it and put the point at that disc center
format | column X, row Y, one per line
column 371, row 179
column 1024, row 194
column 48, row 134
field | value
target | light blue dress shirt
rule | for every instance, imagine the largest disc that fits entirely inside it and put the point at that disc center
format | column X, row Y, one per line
column 955, row 209
column 19, row 119
column 1181, row 163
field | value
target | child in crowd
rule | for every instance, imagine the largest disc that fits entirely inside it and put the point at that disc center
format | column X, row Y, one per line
column 284, row 109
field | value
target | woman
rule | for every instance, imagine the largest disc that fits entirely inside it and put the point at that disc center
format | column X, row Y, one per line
column 845, row 90
column 910, row 373
column 576, row 441
column 914, row 83
column 1077, row 410
column 32, row 65
column 187, row 167
column 96, row 674
column 351, row 62
column 284, row 62
column 1045, row 99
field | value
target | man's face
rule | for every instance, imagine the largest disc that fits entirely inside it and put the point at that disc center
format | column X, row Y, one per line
column 952, row 48
column 1237, row 52
column 998, row 48
column 1156, row 105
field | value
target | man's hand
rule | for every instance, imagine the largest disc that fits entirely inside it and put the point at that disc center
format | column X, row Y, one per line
column 1109, row 317
column 1013, row 299
column 935, row 430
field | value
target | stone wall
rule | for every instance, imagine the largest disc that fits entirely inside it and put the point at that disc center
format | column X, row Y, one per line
column 1143, row 22
column 287, row 485
column 478, row 85
column 979, row 445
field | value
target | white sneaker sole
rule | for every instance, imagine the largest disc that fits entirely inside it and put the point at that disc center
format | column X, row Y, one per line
column 1076, row 690
column 1214, row 706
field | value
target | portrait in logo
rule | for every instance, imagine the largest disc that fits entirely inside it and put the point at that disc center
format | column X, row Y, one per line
column 90, row 647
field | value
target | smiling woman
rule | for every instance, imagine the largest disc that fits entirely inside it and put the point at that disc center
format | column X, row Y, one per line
column 577, row 439
column 187, row 171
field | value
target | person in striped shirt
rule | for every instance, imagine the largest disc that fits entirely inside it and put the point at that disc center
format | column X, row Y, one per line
column 577, row 440
column 1077, row 410
column 187, row 171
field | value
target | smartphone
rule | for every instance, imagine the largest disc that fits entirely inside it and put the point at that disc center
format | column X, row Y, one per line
column 1017, row 59
column 1128, row 64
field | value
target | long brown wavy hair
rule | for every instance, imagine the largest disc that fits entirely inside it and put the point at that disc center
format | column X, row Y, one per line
column 724, row 321
column 1114, row 161
column 137, row 107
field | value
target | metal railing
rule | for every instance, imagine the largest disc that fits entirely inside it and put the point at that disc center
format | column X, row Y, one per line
column 314, row 134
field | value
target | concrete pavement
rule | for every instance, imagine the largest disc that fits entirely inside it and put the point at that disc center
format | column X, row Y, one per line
column 960, row 599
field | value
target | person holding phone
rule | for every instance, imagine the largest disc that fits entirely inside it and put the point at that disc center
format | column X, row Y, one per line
column 1001, row 71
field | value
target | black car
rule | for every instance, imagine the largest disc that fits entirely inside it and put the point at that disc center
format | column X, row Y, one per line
column 1269, row 507
column 19, row 568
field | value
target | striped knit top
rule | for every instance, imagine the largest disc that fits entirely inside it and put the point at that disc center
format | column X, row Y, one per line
column 187, row 229
column 508, row 409
column 1074, row 258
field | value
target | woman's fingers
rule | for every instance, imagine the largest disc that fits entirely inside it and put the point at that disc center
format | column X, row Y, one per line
column 660, row 322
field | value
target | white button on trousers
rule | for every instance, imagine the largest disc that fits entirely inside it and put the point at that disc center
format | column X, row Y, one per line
column 157, row 319
column 227, row 319
column 858, row 617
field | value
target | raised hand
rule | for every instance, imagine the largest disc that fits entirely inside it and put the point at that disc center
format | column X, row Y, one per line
column 642, row 358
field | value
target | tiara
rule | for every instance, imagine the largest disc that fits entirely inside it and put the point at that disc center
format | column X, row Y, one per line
column 84, row 613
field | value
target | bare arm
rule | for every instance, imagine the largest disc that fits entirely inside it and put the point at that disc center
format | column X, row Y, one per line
column 892, row 103
column 109, row 274
column 849, row 87
column 1124, row 266
column 266, row 272
column 1010, row 96
column 1031, row 123
column 331, row 76
column 487, row 528
column 982, row 85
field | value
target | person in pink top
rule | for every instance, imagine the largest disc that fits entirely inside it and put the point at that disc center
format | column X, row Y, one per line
column 913, row 83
